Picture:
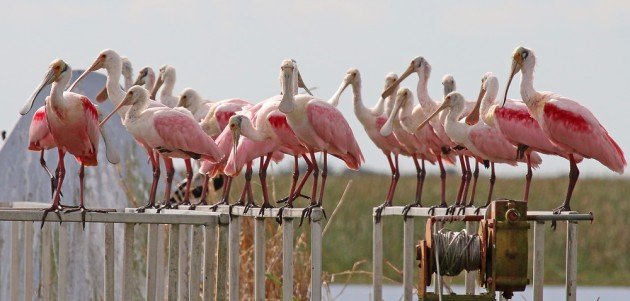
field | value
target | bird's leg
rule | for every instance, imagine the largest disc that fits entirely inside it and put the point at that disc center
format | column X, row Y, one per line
column 53, row 179
column 292, row 196
column 528, row 177
column 442, row 186
column 461, row 183
column 170, row 171
column 389, row 199
column 520, row 151
column 225, row 195
column 189, row 179
column 574, row 174
column 462, row 202
column 420, row 175
column 249, row 200
column 81, row 198
column 313, row 203
column 155, row 164
column 262, row 173
column 61, row 174
column 294, row 179
column 241, row 199
column 475, row 176
column 493, row 178
column 204, row 193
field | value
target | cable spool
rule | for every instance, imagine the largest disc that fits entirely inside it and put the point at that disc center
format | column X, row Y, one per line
column 457, row 251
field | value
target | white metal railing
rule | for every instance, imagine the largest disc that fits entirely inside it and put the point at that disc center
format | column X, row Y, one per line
column 216, row 234
column 289, row 216
column 537, row 218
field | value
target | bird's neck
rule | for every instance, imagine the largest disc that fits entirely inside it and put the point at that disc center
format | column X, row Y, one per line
column 167, row 88
column 359, row 109
column 56, row 94
column 488, row 100
column 135, row 110
column 528, row 93
column 114, row 92
column 128, row 81
column 423, row 92
column 454, row 129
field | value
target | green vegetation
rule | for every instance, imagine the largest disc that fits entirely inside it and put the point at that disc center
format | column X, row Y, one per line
column 604, row 245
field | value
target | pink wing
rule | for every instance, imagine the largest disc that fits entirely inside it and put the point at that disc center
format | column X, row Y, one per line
column 574, row 128
column 224, row 142
column 330, row 125
column 519, row 127
column 247, row 151
column 39, row 136
column 180, row 132
column 285, row 134
column 492, row 145
column 91, row 122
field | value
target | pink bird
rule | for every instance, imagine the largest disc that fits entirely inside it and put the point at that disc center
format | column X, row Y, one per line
column 110, row 61
column 569, row 125
column 373, row 120
column 73, row 123
column 267, row 132
column 484, row 141
column 515, row 123
column 40, row 139
column 216, row 123
column 172, row 132
column 320, row 127
column 422, row 68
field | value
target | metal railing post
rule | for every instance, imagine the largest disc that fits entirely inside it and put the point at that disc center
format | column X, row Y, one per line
column 127, row 277
column 152, row 246
column 377, row 259
column 196, row 258
column 408, row 258
column 109, row 262
column 28, row 260
column 210, row 261
column 62, row 267
column 223, row 258
column 571, row 257
column 539, row 260
column 234, row 265
column 173, row 262
column 45, row 276
column 316, row 254
column 184, row 270
column 14, row 282
column 287, row 259
column 259, row 259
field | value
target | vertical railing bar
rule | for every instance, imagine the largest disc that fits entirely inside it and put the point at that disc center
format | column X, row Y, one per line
column 408, row 258
column 62, row 267
column 223, row 258
column 14, row 281
column 571, row 265
column 259, row 259
column 436, row 287
column 152, row 246
column 234, row 258
column 110, row 257
column 45, row 277
column 210, row 261
column 162, row 261
column 28, row 261
column 539, row 260
column 377, row 259
column 316, row 254
column 196, row 257
column 173, row 262
column 184, row 270
column 127, row 268
column 287, row 259
column 469, row 280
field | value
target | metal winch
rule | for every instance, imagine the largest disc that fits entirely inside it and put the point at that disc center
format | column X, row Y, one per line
column 498, row 251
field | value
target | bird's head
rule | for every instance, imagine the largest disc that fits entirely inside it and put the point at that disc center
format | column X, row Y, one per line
column 287, row 77
column 106, row 59
column 521, row 57
column 56, row 70
column 448, row 82
column 418, row 65
column 135, row 95
column 167, row 73
column 127, row 69
column 188, row 98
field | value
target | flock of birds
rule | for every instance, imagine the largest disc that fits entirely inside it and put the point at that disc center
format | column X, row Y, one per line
column 227, row 136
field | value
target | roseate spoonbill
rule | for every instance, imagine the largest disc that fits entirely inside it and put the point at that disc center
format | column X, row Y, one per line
column 372, row 121
column 172, row 132
column 422, row 68
column 569, row 125
column 146, row 77
column 403, row 121
column 166, row 77
column 320, row 127
column 110, row 61
column 515, row 123
column 482, row 140
column 270, row 133
column 73, row 123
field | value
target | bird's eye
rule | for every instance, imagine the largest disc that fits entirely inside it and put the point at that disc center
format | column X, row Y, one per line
column 524, row 54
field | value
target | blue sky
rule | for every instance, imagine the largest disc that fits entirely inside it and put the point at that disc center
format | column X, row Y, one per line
column 228, row 49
